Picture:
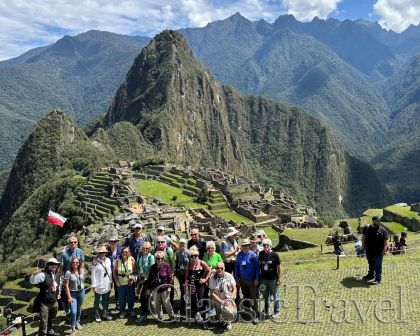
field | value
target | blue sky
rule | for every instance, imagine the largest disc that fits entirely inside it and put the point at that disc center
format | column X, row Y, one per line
column 26, row 24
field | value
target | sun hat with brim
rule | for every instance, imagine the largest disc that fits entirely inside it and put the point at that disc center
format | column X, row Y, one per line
column 161, row 227
column 102, row 249
column 376, row 218
column 17, row 320
column 244, row 242
column 260, row 233
column 53, row 261
column 113, row 238
column 231, row 231
column 138, row 225
column 182, row 241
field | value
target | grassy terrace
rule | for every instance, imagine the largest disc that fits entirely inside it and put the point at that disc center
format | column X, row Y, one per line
column 315, row 236
column 403, row 211
column 166, row 192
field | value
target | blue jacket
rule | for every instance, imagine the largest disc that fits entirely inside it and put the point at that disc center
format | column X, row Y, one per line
column 247, row 266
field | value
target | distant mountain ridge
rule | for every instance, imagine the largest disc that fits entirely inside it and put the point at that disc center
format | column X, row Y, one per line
column 80, row 75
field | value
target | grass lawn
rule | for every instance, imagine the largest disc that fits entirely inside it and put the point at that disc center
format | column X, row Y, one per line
column 228, row 215
column 166, row 192
column 315, row 235
column 395, row 227
column 373, row 212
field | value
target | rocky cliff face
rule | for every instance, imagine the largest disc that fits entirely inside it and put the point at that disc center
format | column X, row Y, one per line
column 190, row 119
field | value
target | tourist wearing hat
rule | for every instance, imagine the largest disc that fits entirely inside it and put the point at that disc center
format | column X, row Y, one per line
column 114, row 254
column 375, row 243
column 197, row 279
column 254, row 244
column 160, row 232
column 125, row 277
column 260, row 236
column 230, row 248
column 182, row 262
column 270, row 267
column 247, row 275
column 101, row 276
column 144, row 262
column 48, row 281
column 136, row 240
column 223, row 292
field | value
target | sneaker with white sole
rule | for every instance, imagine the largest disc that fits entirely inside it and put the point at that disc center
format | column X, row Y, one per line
column 98, row 318
column 78, row 326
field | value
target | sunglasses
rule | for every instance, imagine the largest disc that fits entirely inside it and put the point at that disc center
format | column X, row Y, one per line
column 194, row 234
column 137, row 229
column 210, row 248
column 266, row 244
column 159, row 230
column 194, row 256
column 73, row 242
column 220, row 268
column 160, row 242
column 75, row 262
column 112, row 241
column 101, row 252
column 160, row 258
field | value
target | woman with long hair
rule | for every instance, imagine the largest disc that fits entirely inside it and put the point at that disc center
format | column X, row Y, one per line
column 125, row 278
column 74, row 281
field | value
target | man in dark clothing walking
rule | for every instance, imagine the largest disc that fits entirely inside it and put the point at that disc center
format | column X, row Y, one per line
column 375, row 241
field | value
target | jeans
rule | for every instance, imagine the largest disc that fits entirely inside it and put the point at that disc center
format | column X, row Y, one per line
column 76, row 306
column 268, row 288
column 105, row 301
column 375, row 265
column 126, row 296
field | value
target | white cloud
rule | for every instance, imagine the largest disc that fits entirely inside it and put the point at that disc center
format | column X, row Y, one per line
column 397, row 14
column 308, row 9
column 25, row 24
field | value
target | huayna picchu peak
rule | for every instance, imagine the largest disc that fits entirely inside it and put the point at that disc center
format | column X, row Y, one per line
column 189, row 118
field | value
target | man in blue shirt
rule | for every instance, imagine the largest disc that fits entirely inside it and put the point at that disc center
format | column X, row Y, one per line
column 70, row 251
column 136, row 240
column 247, row 275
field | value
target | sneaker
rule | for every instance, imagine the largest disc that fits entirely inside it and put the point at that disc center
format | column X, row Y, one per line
column 171, row 319
column 78, row 326
column 141, row 319
column 275, row 316
column 205, row 326
column 376, row 282
column 53, row 333
column 368, row 277
column 122, row 315
column 255, row 320
column 107, row 317
column 227, row 326
column 98, row 318
column 132, row 313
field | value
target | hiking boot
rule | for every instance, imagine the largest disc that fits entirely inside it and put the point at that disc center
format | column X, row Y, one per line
column 368, row 277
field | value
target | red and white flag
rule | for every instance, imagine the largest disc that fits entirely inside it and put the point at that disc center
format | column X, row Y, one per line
column 56, row 219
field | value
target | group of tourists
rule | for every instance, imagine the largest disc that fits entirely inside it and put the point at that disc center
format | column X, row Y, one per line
column 147, row 268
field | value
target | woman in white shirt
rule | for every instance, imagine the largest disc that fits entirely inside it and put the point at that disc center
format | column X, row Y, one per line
column 101, row 284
